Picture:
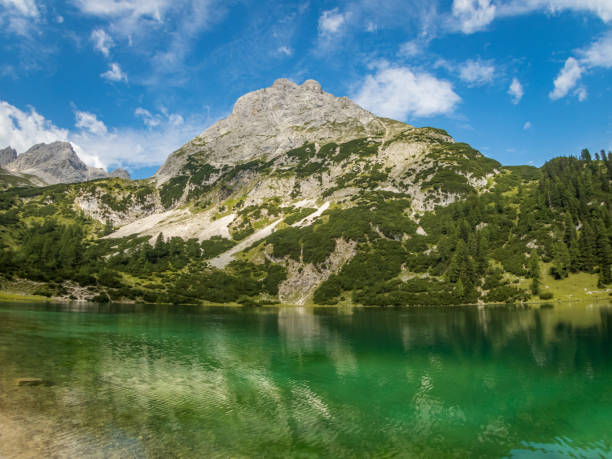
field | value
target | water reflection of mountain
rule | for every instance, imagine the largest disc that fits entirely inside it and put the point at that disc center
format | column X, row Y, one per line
column 158, row 381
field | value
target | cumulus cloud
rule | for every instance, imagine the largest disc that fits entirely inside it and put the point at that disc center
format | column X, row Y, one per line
column 18, row 16
column 147, row 117
column 581, row 94
column 596, row 55
column 102, row 41
column 285, row 50
column 131, row 147
column 331, row 22
column 516, row 90
column 599, row 54
column 569, row 75
column 152, row 120
column 473, row 15
column 162, row 30
column 476, row 73
column 601, row 8
column 410, row 48
column 90, row 123
column 114, row 73
column 24, row 7
column 22, row 129
column 400, row 93
column 135, row 9
column 469, row 16
column 95, row 143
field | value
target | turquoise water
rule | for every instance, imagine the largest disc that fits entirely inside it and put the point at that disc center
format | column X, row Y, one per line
column 148, row 381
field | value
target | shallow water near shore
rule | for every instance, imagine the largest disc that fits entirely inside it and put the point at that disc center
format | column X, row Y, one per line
column 153, row 381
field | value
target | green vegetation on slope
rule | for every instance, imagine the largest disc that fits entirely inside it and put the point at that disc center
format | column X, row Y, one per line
column 512, row 242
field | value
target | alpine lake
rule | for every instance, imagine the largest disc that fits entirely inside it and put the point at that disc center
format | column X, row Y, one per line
column 92, row 380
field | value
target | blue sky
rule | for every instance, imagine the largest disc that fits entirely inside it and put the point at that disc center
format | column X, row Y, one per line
column 129, row 81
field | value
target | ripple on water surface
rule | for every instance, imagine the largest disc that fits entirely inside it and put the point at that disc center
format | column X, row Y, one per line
column 143, row 381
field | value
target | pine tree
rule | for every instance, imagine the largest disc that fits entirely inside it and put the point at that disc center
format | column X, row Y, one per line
column 561, row 261
column 459, row 290
column 534, row 272
column 586, row 245
column 604, row 253
column 585, row 155
column 456, row 266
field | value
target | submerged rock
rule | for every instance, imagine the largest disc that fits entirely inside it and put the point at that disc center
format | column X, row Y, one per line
column 23, row 382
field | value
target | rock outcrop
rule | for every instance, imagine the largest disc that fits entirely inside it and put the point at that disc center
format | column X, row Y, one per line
column 57, row 162
column 7, row 155
column 120, row 173
column 271, row 121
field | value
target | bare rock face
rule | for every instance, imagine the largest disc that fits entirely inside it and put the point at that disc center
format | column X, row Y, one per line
column 120, row 173
column 57, row 162
column 7, row 155
column 267, row 123
column 95, row 173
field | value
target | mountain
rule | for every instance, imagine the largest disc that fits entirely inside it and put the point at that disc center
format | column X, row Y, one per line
column 271, row 121
column 302, row 197
column 10, row 179
column 7, row 156
column 54, row 163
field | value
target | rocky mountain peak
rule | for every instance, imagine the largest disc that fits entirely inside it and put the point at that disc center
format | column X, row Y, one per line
column 57, row 162
column 7, row 155
column 271, row 121
column 120, row 173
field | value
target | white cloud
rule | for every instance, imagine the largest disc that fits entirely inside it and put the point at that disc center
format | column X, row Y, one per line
column 601, row 8
column 114, row 73
column 516, row 90
column 527, row 125
column 164, row 31
column 141, row 147
column 566, row 80
column 285, row 50
column 22, row 129
column 19, row 16
column 411, row 48
column 103, row 42
column 96, row 144
column 23, row 7
column 147, row 117
column 331, row 22
column 473, row 15
column 581, row 93
column 476, row 73
column 90, row 123
column 152, row 9
column 599, row 54
column 399, row 92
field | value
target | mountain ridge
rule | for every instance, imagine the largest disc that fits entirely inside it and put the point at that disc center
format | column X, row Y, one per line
column 364, row 210
column 53, row 163
column 275, row 120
